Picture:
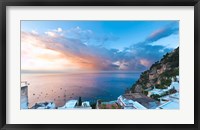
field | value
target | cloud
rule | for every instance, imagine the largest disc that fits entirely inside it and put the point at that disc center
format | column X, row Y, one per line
column 35, row 54
column 34, row 32
column 55, row 33
column 151, row 49
column 87, row 36
column 55, row 52
column 82, row 31
column 39, row 51
column 78, row 30
column 105, row 38
column 59, row 30
column 145, row 62
column 79, row 33
column 162, row 33
column 51, row 34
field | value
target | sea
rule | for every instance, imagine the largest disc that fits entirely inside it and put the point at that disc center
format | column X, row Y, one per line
column 61, row 87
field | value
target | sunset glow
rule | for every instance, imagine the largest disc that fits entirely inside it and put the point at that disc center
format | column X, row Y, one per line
column 94, row 45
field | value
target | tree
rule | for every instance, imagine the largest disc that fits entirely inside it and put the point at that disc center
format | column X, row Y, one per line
column 145, row 92
column 127, row 90
column 79, row 101
column 155, row 96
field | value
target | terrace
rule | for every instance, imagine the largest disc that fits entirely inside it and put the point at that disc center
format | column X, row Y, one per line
column 145, row 101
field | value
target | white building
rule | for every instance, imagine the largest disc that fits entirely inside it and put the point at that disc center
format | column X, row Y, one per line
column 73, row 104
column 174, row 85
column 177, row 77
column 169, row 102
column 69, row 104
column 86, row 104
column 24, row 95
column 44, row 105
column 156, row 91
column 129, row 104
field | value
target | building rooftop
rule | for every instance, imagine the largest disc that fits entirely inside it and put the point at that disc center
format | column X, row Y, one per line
column 169, row 105
column 174, row 85
column 109, row 105
column 44, row 105
column 174, row 96
column 70, row 104
column 86, row 104
column 138, row 105
column 24, row 84
column 172, row 102
column 142, row 99
column 130, row 104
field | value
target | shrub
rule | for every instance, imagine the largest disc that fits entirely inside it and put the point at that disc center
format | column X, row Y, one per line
column 113, row 107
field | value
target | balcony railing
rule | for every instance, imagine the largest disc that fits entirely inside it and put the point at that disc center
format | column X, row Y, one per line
column 24, row 83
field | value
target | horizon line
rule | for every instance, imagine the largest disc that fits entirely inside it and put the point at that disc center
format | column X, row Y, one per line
column 36, row 72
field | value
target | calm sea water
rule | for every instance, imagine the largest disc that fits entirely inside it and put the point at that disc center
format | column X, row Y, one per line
column 90, row 86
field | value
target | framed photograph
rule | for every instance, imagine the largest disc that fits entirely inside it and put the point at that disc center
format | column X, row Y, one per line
column 71, row 64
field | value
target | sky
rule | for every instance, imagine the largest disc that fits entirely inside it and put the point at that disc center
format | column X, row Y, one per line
column 68, row 46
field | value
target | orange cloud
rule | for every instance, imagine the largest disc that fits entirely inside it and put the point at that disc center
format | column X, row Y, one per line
column 37, row 53
column 145, row 62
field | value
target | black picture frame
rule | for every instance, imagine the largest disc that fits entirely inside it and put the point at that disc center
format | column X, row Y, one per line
column 5, row 3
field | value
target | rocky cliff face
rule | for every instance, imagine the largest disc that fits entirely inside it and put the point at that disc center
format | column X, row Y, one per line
column 160, row 74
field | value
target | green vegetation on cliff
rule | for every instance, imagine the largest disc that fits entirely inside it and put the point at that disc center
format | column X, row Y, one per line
column 160, row 73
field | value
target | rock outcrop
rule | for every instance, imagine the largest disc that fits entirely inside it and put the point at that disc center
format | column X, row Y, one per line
column 160, row 74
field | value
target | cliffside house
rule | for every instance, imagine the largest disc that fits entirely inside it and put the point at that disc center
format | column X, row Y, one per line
column 152, row 74
column 107, row 105
column 174, row 85
column 169, row 101
column 44, row 105
column 24, row 95
column 73, row 104
column 129, row 104
column 137, row 101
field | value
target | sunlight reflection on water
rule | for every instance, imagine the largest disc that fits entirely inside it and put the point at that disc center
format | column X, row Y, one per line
column 90, row 86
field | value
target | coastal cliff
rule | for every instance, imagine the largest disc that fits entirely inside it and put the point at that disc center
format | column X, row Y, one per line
column 160, row 74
